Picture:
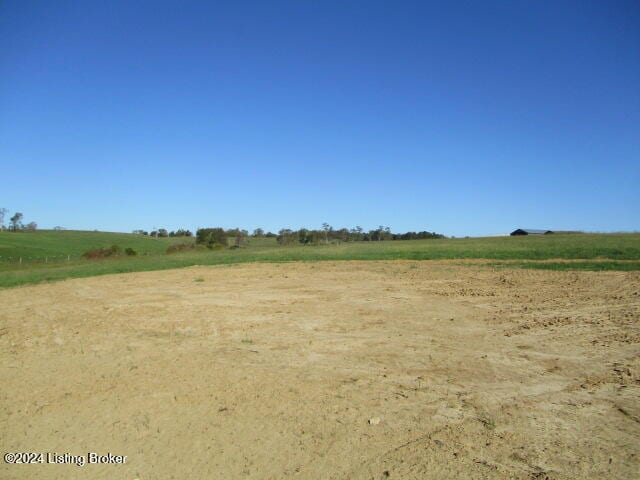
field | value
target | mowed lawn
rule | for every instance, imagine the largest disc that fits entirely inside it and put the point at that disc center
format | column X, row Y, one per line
column 557, row 251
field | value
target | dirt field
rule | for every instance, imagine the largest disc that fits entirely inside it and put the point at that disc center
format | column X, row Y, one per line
column 350, row 370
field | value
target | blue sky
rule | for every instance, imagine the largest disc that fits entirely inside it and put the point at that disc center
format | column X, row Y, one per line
column 465, row 118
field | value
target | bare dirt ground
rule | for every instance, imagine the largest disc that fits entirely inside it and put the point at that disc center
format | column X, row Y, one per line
column 350, row 370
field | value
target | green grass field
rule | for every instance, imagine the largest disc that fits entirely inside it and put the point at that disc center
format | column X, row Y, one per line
column 60, row 245
column 571, row 251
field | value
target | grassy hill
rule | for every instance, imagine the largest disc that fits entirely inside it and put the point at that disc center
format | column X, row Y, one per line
column 61, row 244
column 570, row 251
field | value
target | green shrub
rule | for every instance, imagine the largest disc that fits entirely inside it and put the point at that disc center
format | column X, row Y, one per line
column 97, row 253
column 211, row 236
column 130, row 251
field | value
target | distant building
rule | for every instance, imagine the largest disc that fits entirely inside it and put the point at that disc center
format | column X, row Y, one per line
column 530, row 231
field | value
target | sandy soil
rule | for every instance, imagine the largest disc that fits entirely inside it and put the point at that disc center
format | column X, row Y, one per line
column 345, row 370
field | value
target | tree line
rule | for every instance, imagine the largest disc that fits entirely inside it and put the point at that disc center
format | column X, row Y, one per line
column 212, row 237
column 327, row 234
column 219, row 237
column 162, row 232
column 15, row 222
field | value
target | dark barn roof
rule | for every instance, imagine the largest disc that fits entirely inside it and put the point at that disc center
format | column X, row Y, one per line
column 530, row 231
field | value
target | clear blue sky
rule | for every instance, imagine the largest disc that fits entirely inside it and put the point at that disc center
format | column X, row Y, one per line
column 465, row 118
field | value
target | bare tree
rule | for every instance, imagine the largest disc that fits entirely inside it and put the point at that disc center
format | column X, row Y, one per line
column 3, row 212
column 241, row 237
column 31, row 226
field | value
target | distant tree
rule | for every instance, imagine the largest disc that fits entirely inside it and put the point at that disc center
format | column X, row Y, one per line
column 326, row 228
column 381, row 233
column 3, row 212
column 31, row 226
column 286, row 236
column 270, row 235
column 16, row 221
column 355, row 234
column 342, row 235
column 258, row 232
column 211, row 236
column 162, row 232
column 241, row 236
column 303, row 236
column 60, row 228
